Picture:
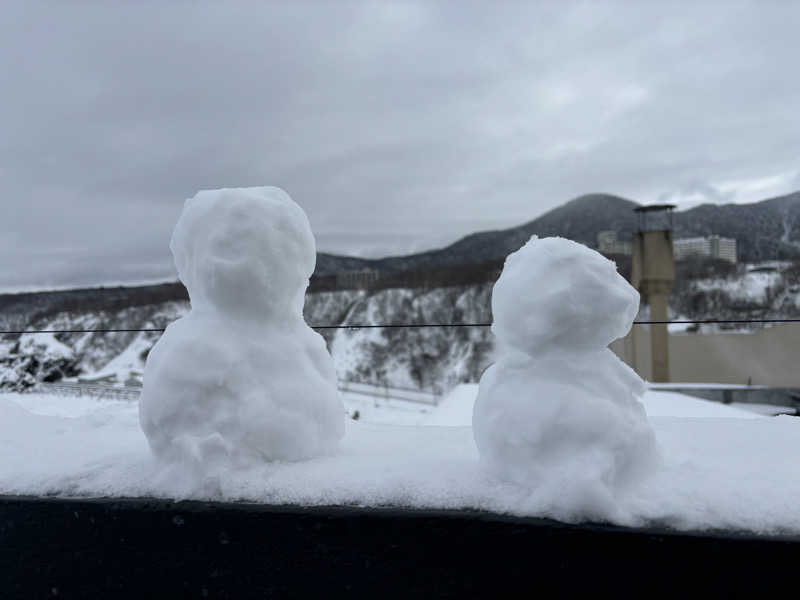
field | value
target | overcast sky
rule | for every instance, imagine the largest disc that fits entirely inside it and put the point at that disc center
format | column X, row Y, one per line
column 397, row 127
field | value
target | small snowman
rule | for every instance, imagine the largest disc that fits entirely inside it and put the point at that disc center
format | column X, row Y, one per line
column 241, row 379
column 558, row 413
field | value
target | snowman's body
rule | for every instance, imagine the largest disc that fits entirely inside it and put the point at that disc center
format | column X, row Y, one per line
column 242, row 377
column 559, row 412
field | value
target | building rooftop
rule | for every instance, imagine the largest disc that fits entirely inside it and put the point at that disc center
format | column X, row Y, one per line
column 654, row 207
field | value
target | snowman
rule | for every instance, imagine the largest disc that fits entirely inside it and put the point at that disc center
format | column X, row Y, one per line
column 558, row 413
column 241, row 379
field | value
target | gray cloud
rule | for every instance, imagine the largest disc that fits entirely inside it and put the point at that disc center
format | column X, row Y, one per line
column 696, row 192
column 396, row 126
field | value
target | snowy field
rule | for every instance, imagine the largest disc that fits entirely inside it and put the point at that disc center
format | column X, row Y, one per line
column 383, row 411
column 722, row 467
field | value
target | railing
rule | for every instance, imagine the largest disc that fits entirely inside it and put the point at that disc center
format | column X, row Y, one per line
column 405, row 394
column 429, row 397
column 90, row 389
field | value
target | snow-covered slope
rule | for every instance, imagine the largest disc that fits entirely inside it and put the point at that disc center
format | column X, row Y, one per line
column 407, row 357
column 31, row 358
column 422, row 358
column 745, row 291
column 401, row 357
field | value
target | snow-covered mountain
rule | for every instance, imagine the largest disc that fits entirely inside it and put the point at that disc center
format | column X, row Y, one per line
column 423, row 357
column 764, row 230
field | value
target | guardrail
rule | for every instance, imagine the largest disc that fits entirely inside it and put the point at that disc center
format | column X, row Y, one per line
column 92, row 390
column 418, row 396
column 428, row 397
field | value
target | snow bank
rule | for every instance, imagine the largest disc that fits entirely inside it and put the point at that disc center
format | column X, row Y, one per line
column 455, row 409
column 558, row 413
column 242, row 378
column 52, row 405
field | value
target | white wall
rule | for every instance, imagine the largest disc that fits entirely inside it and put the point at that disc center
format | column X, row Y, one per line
column 769, row 356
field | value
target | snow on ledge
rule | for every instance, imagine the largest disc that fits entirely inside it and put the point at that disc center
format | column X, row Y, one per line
column 729, row 473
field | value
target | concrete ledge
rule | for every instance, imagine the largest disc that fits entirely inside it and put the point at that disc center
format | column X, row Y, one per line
column 785, row 397
column 140, row 548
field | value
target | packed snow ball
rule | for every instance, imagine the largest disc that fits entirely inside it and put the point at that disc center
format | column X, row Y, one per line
column 241, row 379
column 558, row 412
column 556, row 296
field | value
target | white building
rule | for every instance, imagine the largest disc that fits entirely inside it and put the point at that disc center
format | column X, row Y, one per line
column 712, row 246
column 607, row 243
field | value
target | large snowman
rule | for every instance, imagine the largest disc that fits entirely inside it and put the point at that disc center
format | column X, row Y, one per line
column 558, row 413
column 241, row 378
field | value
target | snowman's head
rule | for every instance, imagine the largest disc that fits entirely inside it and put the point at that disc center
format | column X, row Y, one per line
column 244, row 252
column 556, row 296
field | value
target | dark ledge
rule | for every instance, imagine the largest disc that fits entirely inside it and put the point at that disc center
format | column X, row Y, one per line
column 143, row 548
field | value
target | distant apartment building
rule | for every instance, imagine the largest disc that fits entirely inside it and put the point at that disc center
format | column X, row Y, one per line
column 607, row 243
column 712, row 246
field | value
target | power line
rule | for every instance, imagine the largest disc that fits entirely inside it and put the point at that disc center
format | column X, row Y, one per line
column 704, row 321
column 698, row 321
column 81, row 331
column 409, row 326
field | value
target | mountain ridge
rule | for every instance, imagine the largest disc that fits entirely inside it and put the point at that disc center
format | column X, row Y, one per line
column 776, row 236
column 764, row 230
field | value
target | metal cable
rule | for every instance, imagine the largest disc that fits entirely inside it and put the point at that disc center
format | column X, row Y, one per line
column 410, row 326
